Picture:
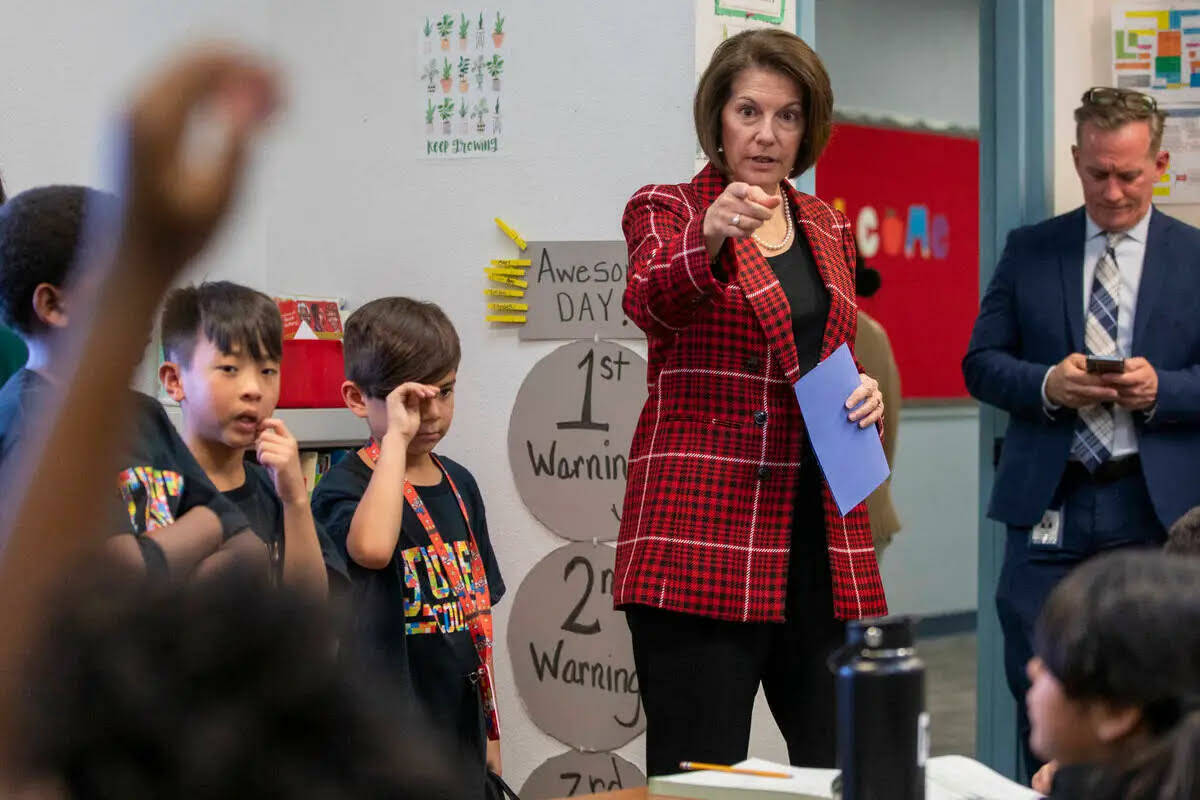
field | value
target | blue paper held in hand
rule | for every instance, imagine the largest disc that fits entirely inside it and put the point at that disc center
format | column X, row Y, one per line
column 851, row 457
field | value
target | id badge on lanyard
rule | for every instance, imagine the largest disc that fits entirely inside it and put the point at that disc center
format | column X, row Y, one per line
column 477, row 614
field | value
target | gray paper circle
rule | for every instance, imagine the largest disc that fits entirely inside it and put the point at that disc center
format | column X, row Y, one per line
column 574, row 773
column 569, row 437
column 571, row 651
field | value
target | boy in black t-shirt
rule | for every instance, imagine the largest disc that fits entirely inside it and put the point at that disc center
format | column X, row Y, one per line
column 223, row 343
column 422, row 600
column 179, row 523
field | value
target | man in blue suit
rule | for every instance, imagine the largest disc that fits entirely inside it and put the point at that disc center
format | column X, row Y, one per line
column 1091, row 460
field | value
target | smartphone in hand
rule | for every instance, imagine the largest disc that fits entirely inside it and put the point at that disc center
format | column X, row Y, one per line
column 1101, row 364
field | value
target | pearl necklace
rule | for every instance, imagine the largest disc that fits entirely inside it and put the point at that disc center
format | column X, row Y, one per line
column 787, row 234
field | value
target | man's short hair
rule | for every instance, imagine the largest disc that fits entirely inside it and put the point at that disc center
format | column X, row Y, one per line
column 1184, row 536
column 233, row 317
column 1109, row 109
column 40, row 232
column 395, row 340
column 778, row 51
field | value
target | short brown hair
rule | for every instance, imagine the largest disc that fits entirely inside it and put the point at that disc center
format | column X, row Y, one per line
column 1123, row 106
column 775, row 50
column 395, row 340
column 231, row 316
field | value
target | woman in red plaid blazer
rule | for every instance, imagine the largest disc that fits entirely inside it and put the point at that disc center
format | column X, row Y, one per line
column 734, row 566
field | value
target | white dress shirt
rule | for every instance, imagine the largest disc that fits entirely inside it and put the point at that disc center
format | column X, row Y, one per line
column 1131, row 254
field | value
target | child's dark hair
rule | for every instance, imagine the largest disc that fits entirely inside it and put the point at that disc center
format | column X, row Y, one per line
column 1124, row 628
column 867, row 280
column 1183, row 538
column 226, row 689
column 231, row 316
column 40, row 232
column 395, row 340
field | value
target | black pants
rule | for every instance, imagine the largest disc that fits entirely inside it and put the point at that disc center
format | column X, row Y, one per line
column 699, row 676
column 1096, row 517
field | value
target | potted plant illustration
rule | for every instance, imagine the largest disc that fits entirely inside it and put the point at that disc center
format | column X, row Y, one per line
column 495, row 66
column 463, row 124
column 446, row 70
column 479, row 114
column 498, row 31
column 431, row 75
column 445, row 26
column 464, row 72
column 430, row 110
column 479, row 29
column 464, row 27
column 428, row 36
column 446, row 112
column 478, row 67
column 496, row 118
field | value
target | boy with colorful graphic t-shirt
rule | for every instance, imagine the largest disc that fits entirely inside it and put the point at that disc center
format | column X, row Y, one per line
column 411, row 530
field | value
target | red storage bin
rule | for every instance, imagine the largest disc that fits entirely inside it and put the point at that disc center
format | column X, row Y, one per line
column 311, row 374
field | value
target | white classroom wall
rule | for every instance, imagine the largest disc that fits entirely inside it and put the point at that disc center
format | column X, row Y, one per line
column 339, row 203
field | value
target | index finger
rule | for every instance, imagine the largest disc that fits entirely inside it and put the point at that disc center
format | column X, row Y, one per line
column 738, row 189
column 274, row 424
column 757, row 211
column 857, row 397
column 755, row 194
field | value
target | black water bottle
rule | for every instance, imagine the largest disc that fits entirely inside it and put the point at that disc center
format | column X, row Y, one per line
column 882, row 727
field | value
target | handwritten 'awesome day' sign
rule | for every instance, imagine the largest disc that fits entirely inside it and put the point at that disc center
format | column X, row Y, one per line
column 575, row 291
column 571, row 651
column 569, row 437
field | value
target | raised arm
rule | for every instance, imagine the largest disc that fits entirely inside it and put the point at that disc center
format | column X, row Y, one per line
column 673, row 246
column 170, row 209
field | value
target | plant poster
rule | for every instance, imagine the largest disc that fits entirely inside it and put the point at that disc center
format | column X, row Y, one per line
column 462, row 64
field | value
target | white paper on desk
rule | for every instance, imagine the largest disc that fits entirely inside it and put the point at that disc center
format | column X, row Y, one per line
column 962, row 778
column 804, row 783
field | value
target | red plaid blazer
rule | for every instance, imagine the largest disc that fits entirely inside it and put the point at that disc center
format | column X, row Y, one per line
column 706, row 527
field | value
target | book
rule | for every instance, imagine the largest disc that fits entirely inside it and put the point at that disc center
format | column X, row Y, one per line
column 957, row 777
column 805, row 784
column 946, row 778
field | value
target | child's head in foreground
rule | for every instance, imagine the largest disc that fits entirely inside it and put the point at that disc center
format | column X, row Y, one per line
column 1116, row 676
column 222, row 345
column 393, row 341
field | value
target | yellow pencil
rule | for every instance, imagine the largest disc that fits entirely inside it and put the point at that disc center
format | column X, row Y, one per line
column 700, row 765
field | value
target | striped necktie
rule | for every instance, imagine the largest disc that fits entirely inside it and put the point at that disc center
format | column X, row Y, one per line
column 1093, row 440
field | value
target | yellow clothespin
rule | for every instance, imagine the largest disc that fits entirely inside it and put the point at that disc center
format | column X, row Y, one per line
column 511, row 262
column 514, row 272
column 516, row 237
column 508, row 306
column 505, row 318
column 504, row 292
column 509, row 281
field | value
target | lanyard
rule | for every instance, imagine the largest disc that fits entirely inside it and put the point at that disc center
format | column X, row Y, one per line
column 478, row 615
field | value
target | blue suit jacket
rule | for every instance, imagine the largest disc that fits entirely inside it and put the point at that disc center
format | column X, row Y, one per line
column 1032, row 317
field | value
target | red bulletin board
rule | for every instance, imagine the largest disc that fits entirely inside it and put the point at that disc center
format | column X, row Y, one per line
column 913, row 201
